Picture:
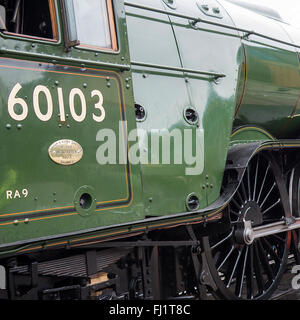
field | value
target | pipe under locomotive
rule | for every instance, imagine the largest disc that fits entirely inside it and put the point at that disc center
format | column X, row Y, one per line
column 220, row 79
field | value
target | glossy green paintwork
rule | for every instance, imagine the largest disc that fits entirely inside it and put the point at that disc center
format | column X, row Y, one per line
column 49, row 208
column 166, row 94
column 272, row 88
column 214, row 101
column 261, row 78
column 272, row 74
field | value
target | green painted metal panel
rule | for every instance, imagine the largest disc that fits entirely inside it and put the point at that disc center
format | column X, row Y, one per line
column 49, row 204
column 150, row 36
column 164, row 95
column 165, row 186
column 292, row 129
column 269, row 97
column 272, row 73
column 211, row 48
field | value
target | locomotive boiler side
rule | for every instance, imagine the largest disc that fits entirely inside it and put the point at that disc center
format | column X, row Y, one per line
column 269, row 86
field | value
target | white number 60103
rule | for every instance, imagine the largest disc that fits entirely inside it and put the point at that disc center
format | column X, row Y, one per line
column 13, row 100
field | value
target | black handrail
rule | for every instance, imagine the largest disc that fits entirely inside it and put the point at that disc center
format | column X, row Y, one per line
column 197, row 20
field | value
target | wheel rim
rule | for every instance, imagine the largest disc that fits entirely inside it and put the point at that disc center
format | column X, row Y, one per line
column 251, row 271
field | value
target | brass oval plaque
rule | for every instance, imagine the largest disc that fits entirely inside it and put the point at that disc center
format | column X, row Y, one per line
column 65, row 152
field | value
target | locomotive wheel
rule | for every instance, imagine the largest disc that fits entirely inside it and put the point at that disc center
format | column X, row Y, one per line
column 250, row 271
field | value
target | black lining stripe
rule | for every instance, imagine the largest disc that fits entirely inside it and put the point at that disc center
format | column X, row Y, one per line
column 35, row 215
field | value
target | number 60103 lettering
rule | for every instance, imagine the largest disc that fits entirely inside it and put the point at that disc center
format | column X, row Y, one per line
column 40, row 89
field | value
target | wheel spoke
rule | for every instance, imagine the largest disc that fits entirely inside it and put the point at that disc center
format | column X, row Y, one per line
column 226, row 258
column 263, row 183
column 258, row 270
column 240, row 197
column 265, row 261
column 240, row 275
column 255, row 179
column 273, row 186
column 244, row 190
column 236, row 203
column 249, row 275
column 272, row 206
column 235, row 213
column 234, row 268
column 249, row 185
column 223, row 240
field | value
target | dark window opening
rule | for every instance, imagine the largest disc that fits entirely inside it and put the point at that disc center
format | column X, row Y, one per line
column 33, row 18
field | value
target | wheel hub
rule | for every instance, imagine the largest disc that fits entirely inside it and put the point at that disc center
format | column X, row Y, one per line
column 250, row 216
column 252, row 212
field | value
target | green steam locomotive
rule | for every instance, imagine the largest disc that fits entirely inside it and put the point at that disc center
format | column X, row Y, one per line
column 149, row 149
